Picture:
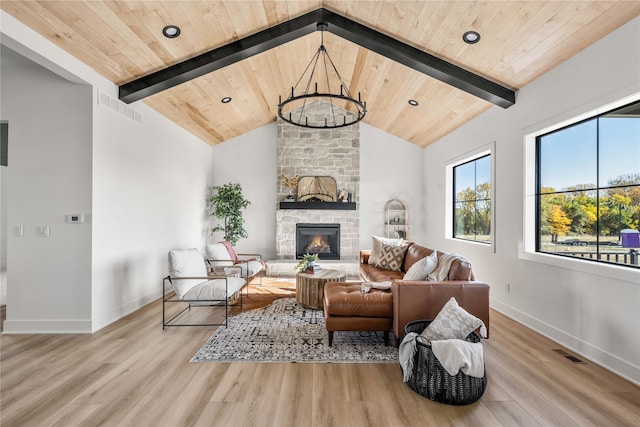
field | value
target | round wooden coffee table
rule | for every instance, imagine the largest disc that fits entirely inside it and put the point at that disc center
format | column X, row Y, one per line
column 310, row 286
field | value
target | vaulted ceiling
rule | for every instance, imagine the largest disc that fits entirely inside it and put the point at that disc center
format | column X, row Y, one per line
column 520, row 41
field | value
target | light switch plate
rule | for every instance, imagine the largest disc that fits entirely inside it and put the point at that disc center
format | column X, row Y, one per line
column 18, row 231
column 42, row 231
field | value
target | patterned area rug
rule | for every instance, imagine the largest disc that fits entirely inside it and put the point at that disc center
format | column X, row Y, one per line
column 288, row 332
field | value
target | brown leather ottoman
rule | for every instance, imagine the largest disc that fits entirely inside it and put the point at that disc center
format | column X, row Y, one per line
column 346, row 308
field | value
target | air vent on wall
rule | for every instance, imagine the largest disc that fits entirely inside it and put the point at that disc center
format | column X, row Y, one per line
column 119, row 106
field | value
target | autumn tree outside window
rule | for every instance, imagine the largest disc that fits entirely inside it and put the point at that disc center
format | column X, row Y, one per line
column 472, row 200
column 588, row 187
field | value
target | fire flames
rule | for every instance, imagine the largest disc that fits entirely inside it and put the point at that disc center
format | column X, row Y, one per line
column 318, row 245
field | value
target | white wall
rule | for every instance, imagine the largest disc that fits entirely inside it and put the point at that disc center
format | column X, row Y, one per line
column 390, row 168
column 594, row 310
column 142, row 187
column 251, row 160
column 4, row 172
column 149, row 196
column 49, row 278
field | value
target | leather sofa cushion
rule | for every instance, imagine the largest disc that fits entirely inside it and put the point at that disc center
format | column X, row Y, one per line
column 414, row 254
column 371, row 273
column 346, row 299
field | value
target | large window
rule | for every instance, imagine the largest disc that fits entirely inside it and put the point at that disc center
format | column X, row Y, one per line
column 588, row 188
column 472, row 200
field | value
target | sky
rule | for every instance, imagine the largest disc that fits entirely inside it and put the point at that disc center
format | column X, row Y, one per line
column 570, row 156
column 468, row 175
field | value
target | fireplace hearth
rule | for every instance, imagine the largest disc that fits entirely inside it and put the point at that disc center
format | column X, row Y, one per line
column 321, row 239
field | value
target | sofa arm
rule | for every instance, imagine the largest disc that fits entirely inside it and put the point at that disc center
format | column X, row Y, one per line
column 417, row 300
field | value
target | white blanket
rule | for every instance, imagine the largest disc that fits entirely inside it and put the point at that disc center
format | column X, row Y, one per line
column 365, row 287
column 444, row 264
column 455, row 355
column 406, row 351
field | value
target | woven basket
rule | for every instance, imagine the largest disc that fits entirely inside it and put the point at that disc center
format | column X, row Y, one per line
column 432, row 381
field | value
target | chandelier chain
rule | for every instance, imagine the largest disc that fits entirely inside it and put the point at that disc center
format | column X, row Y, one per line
column 331, row 103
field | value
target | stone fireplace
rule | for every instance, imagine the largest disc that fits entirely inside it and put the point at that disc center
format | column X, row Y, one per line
column 331, row 153
column 321, row 239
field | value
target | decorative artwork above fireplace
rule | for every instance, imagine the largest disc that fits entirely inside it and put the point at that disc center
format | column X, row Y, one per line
column 320, row 188
column 319, row 192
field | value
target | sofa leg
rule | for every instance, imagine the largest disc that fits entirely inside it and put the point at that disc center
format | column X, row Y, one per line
column 386, row 338
column 330, row 338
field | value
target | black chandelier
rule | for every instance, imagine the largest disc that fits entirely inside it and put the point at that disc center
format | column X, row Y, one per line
column 330, row 114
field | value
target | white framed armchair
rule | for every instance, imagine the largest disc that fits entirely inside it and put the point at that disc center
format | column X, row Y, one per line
column 192, row 284
column 223, row 254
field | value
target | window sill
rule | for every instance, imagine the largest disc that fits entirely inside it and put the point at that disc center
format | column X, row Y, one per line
column 608, row 271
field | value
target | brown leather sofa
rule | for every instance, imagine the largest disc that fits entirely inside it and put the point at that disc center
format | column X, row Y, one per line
column 416, row 300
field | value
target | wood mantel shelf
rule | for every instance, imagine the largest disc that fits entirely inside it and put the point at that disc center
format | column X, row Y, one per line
column 338, row 206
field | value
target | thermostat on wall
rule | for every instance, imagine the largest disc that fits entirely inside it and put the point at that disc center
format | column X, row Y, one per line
column 75, row 218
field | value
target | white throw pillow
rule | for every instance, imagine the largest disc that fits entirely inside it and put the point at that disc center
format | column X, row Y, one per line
column 186, row 263
column 248, row 268
column 422, row 268
column 453, row 322
column 376, row 247
column 218, row 251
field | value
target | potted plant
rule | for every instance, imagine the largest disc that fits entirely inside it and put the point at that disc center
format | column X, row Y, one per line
column 227, row 204
column 307, row 262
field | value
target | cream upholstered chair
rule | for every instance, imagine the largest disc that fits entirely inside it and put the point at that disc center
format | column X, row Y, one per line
column 224, row 254
column 190, row 283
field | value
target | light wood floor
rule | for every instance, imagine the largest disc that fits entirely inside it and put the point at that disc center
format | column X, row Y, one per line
column 132, row 373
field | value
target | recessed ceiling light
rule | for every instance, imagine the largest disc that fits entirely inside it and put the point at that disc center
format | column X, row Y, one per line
column 471, row 37
column 413, row 103
column 226, row 100
column 171, row 31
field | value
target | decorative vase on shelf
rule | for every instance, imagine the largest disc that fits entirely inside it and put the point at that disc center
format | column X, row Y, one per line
column 291, row 184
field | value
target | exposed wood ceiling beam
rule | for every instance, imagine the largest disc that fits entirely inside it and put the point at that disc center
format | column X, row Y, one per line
column 306, row 24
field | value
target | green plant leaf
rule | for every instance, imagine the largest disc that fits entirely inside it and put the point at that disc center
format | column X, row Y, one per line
column 227, row 204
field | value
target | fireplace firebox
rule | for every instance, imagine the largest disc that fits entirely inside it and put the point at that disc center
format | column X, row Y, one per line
column 321, row 239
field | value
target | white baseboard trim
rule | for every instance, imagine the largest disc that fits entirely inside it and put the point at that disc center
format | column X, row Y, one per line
column 46, row 327
column 611, row 362
column 76, row 326
column 105, row 319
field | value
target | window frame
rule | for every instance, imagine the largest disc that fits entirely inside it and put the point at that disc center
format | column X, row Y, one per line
column 480, row 152
column 528, row 250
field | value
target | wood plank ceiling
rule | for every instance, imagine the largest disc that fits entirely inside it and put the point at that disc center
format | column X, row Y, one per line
column 520, row 40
